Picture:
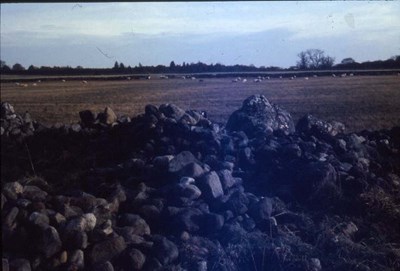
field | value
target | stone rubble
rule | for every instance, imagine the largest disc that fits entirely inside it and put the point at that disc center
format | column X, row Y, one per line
column 171, row 190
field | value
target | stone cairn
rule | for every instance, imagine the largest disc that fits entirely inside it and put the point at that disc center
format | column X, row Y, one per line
column 171, row 190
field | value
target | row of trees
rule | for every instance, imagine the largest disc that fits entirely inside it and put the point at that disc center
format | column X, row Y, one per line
column 311, row 59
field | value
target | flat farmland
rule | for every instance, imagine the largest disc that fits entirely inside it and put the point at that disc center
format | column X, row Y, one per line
column 360, row 102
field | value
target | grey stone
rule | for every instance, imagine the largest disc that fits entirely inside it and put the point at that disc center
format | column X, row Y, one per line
column 180, row 161
column 23, row 203
column 86, row 222
column 107, row 266
column 194, row 170
column 172, row 111
column 226, row 179
column 315, row 264
column 109, row 116
column 77, row 259
column 12, row 190
column 10, row 218
column 189, row 191
column 162, row 162
column 164, row 250
column 6, row 110
column 310, row 125
column 258, row 116
column 129, row 235
column 39, row 219
column 76, row 128
column 136, row 259
column 139, row 225
column 49, row 242
column 210, row 185
column 106, row 250
column 34, row 193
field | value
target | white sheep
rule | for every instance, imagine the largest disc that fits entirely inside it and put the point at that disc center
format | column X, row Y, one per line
column 63, row 81
column 305, row 78
column 17, row 84
column 333, row 75
column 84, row 82
column 34, row 84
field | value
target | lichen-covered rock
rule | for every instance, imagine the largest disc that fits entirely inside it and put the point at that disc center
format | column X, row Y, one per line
column 258, row 116
column 310, row 125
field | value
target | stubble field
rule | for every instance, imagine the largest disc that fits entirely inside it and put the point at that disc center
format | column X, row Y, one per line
column 360, row 102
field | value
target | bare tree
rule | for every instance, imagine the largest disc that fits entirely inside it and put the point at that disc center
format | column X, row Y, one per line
column 314, row 59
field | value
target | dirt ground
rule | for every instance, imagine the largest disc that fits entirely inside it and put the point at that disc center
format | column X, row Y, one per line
column 360, row 102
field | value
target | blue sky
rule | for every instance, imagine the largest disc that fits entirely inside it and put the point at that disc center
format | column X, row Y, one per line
column 258, row 33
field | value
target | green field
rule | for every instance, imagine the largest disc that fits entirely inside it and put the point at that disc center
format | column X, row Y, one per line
column 360, row 102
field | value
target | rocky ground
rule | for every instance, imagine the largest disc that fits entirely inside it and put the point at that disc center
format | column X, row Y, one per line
column 171, row 190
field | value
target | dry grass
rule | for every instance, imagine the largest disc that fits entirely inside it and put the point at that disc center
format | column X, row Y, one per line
column 361, row 102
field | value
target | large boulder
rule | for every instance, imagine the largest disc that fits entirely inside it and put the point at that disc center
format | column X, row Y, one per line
column 258, row 116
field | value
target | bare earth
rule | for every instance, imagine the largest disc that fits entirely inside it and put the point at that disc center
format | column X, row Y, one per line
column 360, row 102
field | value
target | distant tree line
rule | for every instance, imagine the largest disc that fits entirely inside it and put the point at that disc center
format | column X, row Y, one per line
column 311, row 59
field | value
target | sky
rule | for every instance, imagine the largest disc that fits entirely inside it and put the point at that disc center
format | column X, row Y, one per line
column 249, row 33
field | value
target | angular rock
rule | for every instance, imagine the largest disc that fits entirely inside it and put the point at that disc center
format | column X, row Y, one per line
column 210, row 185
column 6, row 110
column 189, row 191
column 258, row 116
column 226, row 178
column 180, row 161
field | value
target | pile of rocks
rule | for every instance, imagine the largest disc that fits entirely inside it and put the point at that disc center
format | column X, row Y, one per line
column 171, row 190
